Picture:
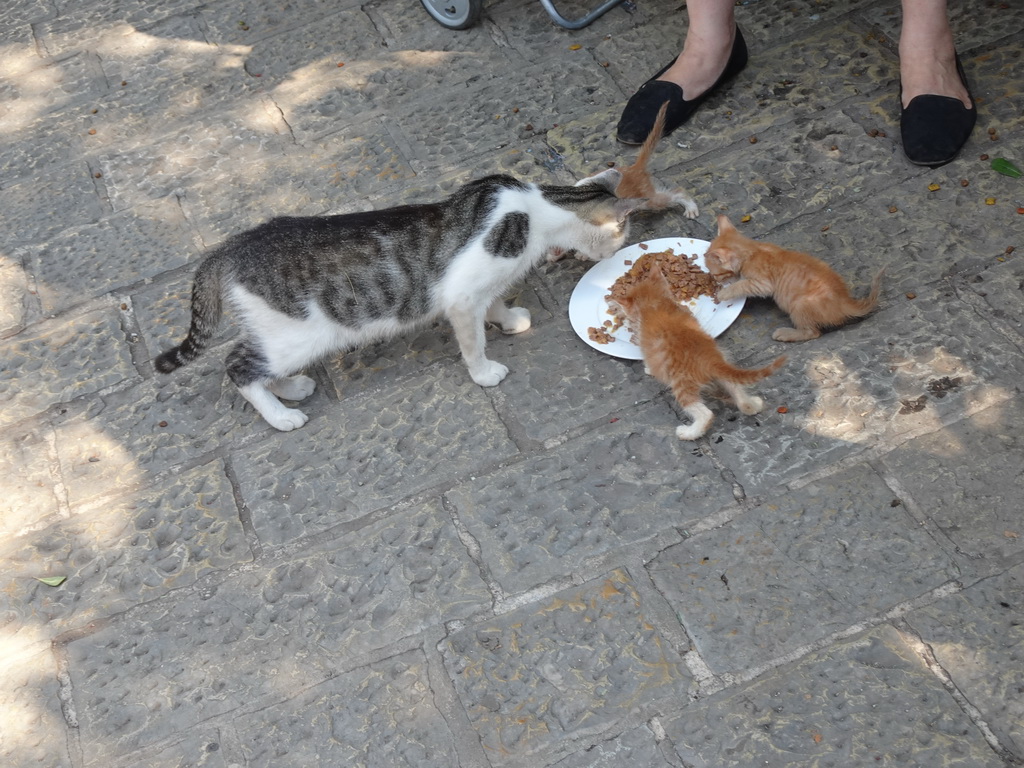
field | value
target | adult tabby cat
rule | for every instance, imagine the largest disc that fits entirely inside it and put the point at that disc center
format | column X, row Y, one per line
column 305, row 287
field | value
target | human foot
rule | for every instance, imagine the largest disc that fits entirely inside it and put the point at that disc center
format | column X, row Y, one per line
column 638, row 117
column 932, row 73
column 698, row 68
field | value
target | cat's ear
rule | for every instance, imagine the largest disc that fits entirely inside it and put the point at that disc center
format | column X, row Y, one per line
column 724, row 225
column 609, row 179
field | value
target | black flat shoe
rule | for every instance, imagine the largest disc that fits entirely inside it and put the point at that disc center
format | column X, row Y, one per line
column 642, row 108
column 935, row 128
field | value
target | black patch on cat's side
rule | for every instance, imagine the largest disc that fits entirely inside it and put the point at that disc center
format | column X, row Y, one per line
column 507, row 238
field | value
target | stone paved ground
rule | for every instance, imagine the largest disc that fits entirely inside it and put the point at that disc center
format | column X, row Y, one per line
column 539, row 574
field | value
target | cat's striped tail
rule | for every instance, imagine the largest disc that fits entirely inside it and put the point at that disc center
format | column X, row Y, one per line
column 729, row 372
column 206, row 311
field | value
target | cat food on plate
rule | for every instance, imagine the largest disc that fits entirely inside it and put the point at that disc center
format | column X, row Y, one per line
column 686, row 280
column 599, row 323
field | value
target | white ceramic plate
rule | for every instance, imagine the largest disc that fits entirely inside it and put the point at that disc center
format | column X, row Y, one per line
column 588, row 308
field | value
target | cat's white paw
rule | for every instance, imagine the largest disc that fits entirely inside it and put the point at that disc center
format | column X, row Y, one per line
column 286, row 419
column 516, row 320
column 293, row 387
column 689, row 431
column 489, row 373
column 751, row 405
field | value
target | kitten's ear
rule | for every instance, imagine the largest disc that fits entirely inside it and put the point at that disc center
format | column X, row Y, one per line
column 724, row 225
column 608, row 179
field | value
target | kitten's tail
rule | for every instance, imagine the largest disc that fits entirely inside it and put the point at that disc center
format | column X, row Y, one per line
column 647, row 149
column 729, row 372
column 861, row 307
column 206, row 312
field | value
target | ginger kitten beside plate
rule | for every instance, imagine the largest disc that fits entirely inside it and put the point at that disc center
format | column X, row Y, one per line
column 805, row 288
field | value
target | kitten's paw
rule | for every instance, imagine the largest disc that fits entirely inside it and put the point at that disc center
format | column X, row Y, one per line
column 516, row 321
column 751, row 405
column 791, row 334
column 689, row 205
column 690, row 432
column 489, row 373
column 293, row 387
column 286, row 419
column 729, row 292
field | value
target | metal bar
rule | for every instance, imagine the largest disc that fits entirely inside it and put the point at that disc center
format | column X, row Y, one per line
column 581, row 22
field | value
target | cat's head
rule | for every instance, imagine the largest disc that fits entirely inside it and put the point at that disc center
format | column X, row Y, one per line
column 727, row 252
column 593, row 200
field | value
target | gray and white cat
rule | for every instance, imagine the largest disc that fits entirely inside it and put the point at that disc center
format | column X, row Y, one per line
column 305, row 287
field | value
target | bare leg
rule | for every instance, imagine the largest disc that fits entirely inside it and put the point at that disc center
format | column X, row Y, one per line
column 927, row 64
column 706, row 49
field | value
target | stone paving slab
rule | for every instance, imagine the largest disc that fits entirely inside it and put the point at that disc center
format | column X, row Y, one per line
column 560, row 668
column 29, row 496
column 44, row 367
column 88, row 260
column 636, row 747
column 129, row 436
column 168, row 666
column 55, row 198
column 997, row 285
column 380, row 448
column 121, row 552
column 419, row 571
column 945, row 475
column 542, row 519
column 866, row 701
column 982, row 649
column 751, row 591
column 381, row 715
column 34, row 730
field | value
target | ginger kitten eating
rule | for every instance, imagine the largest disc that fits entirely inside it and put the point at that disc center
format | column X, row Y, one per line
column 679, row 353
column 805, row 288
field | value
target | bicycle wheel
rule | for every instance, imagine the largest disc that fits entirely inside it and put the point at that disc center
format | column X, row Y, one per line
column 455, row 14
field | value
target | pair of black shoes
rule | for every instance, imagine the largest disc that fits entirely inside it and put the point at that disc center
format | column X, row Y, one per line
column 934, row 128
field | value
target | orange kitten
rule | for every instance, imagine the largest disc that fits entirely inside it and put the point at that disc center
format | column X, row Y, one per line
column 638, row 182
column 679, row 353
column 805, row 288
